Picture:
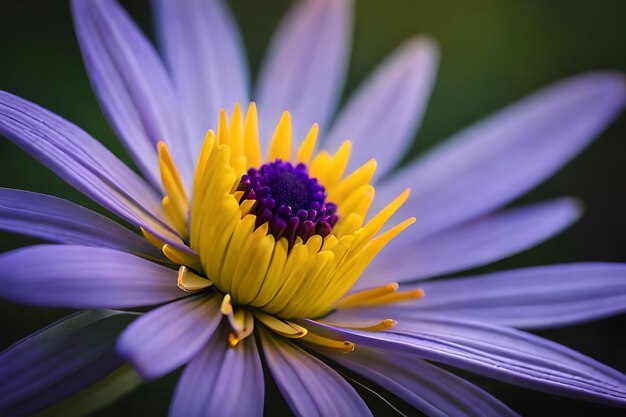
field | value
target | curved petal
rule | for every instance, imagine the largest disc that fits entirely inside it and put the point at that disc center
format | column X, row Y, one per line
column 502, row 157
column 206, row 57
column 166, row 338
column 62, row 221
column 84, row 277
column 59, row 360
column 534, row 298
column 310, row 387
column 132, row 85
column 382, row 116
column 304, row 69
column 221, row 381
column 473, row 244
column 498, row 352
column 82, row 162
column 431, row 390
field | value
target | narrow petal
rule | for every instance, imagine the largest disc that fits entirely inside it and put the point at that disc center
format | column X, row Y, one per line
column 383, row 115
column 132, row 85
column 166, row 338
column 474, row 244
column 310, row 387
column 305, row 66
column 82, row 162
column 221, row 381
column 84, row 277
column 57, row 220
column 504, row 156
column 426, row 387
column 59, row 360
column 498, row 352
column 206, row 57
column 534, row 298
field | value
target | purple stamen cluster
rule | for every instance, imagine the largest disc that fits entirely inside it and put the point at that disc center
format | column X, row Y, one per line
column 289, row 200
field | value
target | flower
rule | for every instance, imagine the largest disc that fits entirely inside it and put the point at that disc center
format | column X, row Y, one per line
column 250, row 254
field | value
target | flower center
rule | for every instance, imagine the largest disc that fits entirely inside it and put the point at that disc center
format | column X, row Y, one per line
column 292, row 202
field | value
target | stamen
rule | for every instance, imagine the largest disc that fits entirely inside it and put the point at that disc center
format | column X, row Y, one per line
column 357, row 298
column 175, row 202
column 180, row 257
column 190, row 282
column 385, row 294
column 282, row 327
column 343, row 346
column 385, row 324
column 242, row 322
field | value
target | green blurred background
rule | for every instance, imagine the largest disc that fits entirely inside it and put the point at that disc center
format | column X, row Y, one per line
column 493, row 52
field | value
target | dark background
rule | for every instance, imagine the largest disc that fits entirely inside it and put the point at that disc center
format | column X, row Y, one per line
column 493, row 52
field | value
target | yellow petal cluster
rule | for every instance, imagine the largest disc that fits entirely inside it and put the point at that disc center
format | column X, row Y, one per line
column 248, row 264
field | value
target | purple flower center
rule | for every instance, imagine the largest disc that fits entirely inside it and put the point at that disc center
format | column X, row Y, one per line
column 293, row 203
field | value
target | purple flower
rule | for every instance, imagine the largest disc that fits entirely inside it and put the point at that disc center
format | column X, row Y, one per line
column 286, row 254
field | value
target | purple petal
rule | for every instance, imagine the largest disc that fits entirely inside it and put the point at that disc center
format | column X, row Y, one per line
column 221, row 381
column 310, row 387
column 84, row 277
column 168, row 337
column 304, row 69
column 132, row 85
column 206, row 57
column 62, row 221
column 59, row 360
column 383, row 115
column 473, row 244
column 426, row 387
column 82, row 162
column 539, row 297
column 495, row 161
column 498, row 352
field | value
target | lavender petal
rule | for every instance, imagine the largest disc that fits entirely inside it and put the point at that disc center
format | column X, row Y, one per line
column 531, row 298
column 221, row 381
column 383, row 115
column 304, row 70
column 310, row 387
column 59, row 360
column 498, row 352
column 132, row 85
column 166, row 338
column 57, row 220
column 473, row 244
column 206, row 57
column 491, row 163
column 431, row 390
column 84, row 277
column 83, row 163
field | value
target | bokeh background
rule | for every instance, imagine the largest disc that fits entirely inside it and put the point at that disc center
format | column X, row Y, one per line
column 493, row 52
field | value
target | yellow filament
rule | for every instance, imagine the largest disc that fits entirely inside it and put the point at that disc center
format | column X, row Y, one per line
column 392, row 298
column 242, row 321
column 280, row 146
column 357, row 298
column 236, row 134
column 251, row 137
column 222, row 129
column 152, row 238
column 281, row 327
column 175, row 202
column 181, row 257
column 343, row 346
column 308, row 145
column 385, row 324
column 360, row 177
column 190, row 282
